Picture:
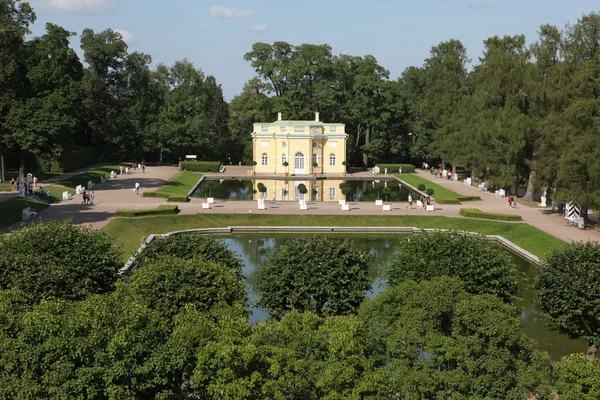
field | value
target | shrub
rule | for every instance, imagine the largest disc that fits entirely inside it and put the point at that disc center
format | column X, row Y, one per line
column 483, row 266
column 201, row 166
column 394, row 168
column 477, row 213
column 178, row 199
column 160, row 210
column 421, row 187
column 448, row 201
column 302, row 188
column 156, row 194
column 429, row 192
column 468, row 198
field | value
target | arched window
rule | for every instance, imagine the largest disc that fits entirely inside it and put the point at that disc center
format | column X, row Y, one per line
column 264, row 159
column 332, row 159
column 314, row 158
column 283, row 158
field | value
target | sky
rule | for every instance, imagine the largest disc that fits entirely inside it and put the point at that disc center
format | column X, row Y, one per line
column 215, row 34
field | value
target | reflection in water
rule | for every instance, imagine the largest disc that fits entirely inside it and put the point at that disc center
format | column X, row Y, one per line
column 255, row 251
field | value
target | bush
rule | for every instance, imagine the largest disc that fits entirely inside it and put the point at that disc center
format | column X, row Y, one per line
column 160, row 210
column 429, row 192
column 201, row 166
column 483, row 266
column 58, row 260
column 394, row 168
column 468, row 198
column 447, row 201
column 421, row 187
column 156, row 194
column 477, row 213
column 178, row 199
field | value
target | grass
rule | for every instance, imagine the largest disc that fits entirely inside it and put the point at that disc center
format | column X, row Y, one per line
column 439, row 192
column 533, row 204
column 181, row 183
column 127, row 231
column 91, row 175
column 11, row 209
column 160, row 210
column 477, row 213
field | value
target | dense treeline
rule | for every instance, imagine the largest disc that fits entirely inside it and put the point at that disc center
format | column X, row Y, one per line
column 178, row 327
column 522, row 116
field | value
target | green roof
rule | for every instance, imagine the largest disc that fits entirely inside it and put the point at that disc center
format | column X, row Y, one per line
column 297, row 123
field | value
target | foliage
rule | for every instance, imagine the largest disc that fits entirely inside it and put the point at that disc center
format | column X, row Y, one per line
column 567, row 291
column 447, row 201
column 156, row 194
column 321, row 275
column 178, row 198
column 483, row 266
column 261, row 187
column 58, row 260
column 201, row 166
column 429, row 191
column 395, row 168
column 160, row 210
column 421, row 187
column 577, row 377
column 477, row 213
column 468, row 198
column 302, row 188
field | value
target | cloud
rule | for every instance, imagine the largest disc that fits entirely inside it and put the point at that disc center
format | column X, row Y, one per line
column 126, row 35
column 258, row 28
column 225, row 12
column 79, row 6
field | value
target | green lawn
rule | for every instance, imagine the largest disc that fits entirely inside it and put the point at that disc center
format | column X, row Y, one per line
column 11, row 210
column 439, row 192
column 127, row 232
column 91, row 175
column 181, row 183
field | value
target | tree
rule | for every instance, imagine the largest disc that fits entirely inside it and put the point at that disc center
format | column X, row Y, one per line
column 577, row 377
column 483, row 266
column 58, row 260
column 321, row 275
column 568, row 295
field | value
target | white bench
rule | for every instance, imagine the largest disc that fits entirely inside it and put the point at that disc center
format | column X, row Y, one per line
column 346, row 207
column 419, row 204
column 303, row 206
column 206, row 206
column 482, row 187
column 467, row 181
column 28, row 213
column 90, row 185
column 341, row 202
column 79, row 189
column 431, row 207
column 387, row 207
column 500, row 193
column 378, row 202
column 261, row 204
column 210, row 200
column 66, row 196
column 113, row 174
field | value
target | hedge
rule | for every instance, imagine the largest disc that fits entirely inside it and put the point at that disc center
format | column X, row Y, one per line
column 394, row 168
column 178, row 198
column 156, row 194
column 201, row 166
column 477, row 213
column 447, row 201
column 160, row 210
column 468, row 198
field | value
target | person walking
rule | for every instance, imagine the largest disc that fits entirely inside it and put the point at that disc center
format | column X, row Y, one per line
column 274, row 199
column 12, row 184
column 137, row 188
column 409, row 201
column 35, row 181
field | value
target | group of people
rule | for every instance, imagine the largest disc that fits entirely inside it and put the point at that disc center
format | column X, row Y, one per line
column 441, row 173
column 424, row 201
column 88, row 197
column 28, row 187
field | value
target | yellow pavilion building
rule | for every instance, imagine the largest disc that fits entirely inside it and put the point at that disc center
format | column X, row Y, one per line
column 302, row 144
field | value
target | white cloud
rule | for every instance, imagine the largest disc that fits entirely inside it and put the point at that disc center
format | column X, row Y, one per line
column 127, row 36
column 79, row 6
column 258, row 28
column 226, row 12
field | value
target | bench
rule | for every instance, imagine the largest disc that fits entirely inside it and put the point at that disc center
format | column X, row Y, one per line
column 28, row 213
column 341, row 202
column 500, row 193
column 467, row 181
column 378, row 202
column 346, row 207
column 210, row 200
column 90, row 185
column 431, row 207
column 67, row 196
column 482, row 187
column 79, row 189
column 387, row 207
column 206, row 206
column 303, row 206
column 113, row 174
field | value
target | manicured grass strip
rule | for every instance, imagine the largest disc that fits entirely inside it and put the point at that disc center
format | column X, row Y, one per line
column 201, row 166
column 160, row 210
column 5, row 187
column 440, row 193
column 11, row 210
column 128, row 232
column 91, row 175
column 56, row 191
column 181, row 183
column 156, row 194
column 477, row 213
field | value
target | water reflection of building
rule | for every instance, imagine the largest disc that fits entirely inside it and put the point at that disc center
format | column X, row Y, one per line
column 317, row 190
column 299, row 144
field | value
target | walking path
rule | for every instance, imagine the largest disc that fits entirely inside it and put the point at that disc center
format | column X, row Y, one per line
column 117, row 194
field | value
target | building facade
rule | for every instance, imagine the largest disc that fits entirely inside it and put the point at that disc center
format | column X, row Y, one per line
column 301, row 144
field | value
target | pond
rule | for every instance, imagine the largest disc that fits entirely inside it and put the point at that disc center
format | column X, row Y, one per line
column 255, row 251
column 317, row 190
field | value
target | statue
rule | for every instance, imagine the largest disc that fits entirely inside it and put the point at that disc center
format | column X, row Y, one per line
column 543, row 202
column 22, row 184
